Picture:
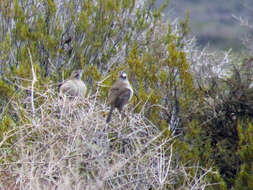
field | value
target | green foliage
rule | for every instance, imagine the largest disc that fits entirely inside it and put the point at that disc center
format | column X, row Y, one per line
column 6, row 92
column 229, row 102
column 160, row 81
column 105, row 37
column 244, row 179
column 5, row 89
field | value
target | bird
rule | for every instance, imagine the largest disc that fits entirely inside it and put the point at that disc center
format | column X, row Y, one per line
column 120, row 94
column 74, row 86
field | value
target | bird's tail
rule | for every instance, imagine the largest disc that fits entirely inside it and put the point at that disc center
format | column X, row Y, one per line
column 109, row 115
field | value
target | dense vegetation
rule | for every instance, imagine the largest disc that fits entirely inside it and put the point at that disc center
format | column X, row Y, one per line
column 189, row 124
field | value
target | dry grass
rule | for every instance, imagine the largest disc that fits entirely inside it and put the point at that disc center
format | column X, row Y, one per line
column 68, row 145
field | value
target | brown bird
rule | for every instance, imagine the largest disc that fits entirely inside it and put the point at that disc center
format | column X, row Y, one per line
column 74, row 86
column 120, row 94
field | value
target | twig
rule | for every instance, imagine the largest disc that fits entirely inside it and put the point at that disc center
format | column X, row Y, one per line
column 33, row 82
column 116, row 167
column 101, row 81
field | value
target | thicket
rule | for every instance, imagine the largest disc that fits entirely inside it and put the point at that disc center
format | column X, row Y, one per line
column 189, row 125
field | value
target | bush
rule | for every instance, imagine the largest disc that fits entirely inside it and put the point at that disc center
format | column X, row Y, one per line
column 189, row 111
column 69, row 145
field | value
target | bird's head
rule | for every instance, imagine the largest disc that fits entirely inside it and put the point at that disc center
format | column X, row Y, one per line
column 122, row 75
column 77, row 74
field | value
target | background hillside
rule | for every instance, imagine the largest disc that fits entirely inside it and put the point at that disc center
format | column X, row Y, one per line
column 189, row 124
column 212, row 21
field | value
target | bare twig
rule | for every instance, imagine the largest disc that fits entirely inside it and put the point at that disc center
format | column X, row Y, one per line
column 33, row 82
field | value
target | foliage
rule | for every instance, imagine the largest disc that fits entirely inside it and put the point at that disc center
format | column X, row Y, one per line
column 228, row 113
column 245, row 175
column 184, row 117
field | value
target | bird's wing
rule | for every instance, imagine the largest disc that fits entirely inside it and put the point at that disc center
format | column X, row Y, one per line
column 113, row 94
column 123, row 97
column 81, row 88
column 68, row 88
